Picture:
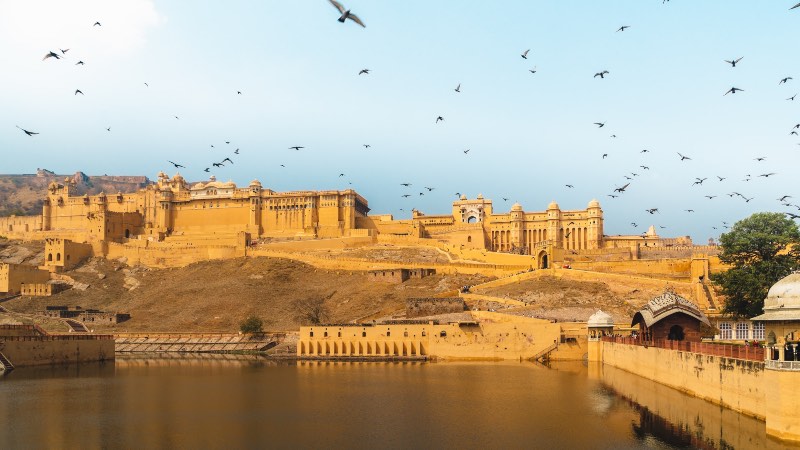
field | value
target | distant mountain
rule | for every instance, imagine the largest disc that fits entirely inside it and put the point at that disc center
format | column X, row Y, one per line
column 22, row 195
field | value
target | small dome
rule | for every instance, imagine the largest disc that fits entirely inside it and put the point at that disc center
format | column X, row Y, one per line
column 594, row 203
column 229, row 185
column 255, row 183
column 601, row 319
column 198, row 186
column 553, row 205
column 783, row 300
column 480, row 196
column 516, row 207
column 463, row 197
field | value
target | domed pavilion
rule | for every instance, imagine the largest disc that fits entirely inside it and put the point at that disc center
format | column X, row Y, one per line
column 670, row 317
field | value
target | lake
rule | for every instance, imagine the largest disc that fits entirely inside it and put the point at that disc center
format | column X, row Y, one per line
column 248, row 402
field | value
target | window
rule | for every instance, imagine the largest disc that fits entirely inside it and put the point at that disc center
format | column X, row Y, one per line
column 325, row 334
column 725, row 331
column 443, row 333
column 388, row 333
column 758, row 331
column 363, row 334
column 311, row 334
column 742, row 329
column 339, row 334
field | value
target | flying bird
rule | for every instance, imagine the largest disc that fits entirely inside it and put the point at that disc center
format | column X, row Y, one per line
column 644, row 167
column 652, row 210
column 458, row 88
column 532, row 70
column 683, row 157
column 605, row 155
column 406, row 195
column 439, row 118
column 238, row 92
column 689, row 210
column 760, row 158
column 78, row 91
column 97, row 24
column 795, row 6
column 732, row 90
column 720, row 178
column 622, row 28
column 710, row 197
column 734, row 62
column 601, row 74
column 64, row 52
column 79, row 63
column 29, row 133
column 363, row 71
column 792, row 97
column 429, row 188
column 767, row 175
column 784, row 198
column 236, row 152
column 346, row 14
column 108, row 129
column 367, row 146
column 51, row 55
column 525, row 54
column 600, row 124
column 622, row 189
column 227, row 159
column 341, row 175
column 569, row 186
column 177, row 166
column 645, row 151
column 699, row 181
column 405, row 184
column 296, row 147
column 207, row 169
column 784, row 80
column 466, row 151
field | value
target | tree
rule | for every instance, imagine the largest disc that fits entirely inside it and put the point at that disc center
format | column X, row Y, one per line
column 313, row 310
column 252, row 324
column 761, row 250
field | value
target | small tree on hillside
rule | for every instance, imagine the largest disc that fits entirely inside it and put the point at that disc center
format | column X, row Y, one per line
column 251, row 324
column 761, row 250
column 313, row 310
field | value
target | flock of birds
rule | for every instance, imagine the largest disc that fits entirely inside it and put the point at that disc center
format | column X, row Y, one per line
column 346, row 14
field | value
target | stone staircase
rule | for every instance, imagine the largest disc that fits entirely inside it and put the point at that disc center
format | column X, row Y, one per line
column 5, row 364
column 544, row 355
column 76, row 326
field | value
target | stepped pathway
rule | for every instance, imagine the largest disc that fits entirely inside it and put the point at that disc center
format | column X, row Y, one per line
column 196, row 342
column 76, row 326
column 5, row 364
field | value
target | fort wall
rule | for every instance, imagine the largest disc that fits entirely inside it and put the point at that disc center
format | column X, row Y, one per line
column 57, row 349
column 736, row 384
column 13, row 276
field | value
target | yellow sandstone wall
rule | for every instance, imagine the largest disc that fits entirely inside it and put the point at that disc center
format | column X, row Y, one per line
column 13, row 276
column 736, row 384
column 52, row 350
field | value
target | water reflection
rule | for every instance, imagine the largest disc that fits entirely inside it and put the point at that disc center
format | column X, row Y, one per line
column 673, row 418
column 226, row 401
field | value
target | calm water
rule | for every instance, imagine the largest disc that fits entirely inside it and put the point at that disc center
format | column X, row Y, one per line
column 248, row 403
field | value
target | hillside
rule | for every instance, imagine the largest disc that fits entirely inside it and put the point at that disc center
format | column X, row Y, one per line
column 217, row 295
column 22, row 194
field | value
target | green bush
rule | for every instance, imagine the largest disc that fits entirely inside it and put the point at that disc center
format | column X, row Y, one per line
column 251, row 324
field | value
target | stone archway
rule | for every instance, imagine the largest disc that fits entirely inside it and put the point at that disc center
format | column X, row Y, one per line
column 542, row 260
column 675, row 333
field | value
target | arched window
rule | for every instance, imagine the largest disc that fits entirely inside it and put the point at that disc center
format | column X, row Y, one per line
column 469, row 238
column 50, row 257
column 675, row 333
column 58, row 256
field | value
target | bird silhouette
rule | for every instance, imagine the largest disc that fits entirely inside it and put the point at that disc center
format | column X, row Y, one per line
column 622, row 189
column 79, row 63
column 792, row 215
column 644, row 167
column 227, row 159
column 683, row 157
column 721, row 178
column 220, row 164
column 78, row 91
column 784, row 198
column 622, row 28
column 760, row 158
column 652, row 210
column 767, row 175
column 177, row 166
column 645, row 151
column 525, row 54
column 363, row 71
column 732, row 90
column 466, row 151
column 296, row 147
column 710, row 197
column 439, row 118
column 505, row 199
column 600, row 124
column 689, row 210
column 29, row 133
column 699, row 181
column 601, row 74
column 605, row 155
column 795, row 6
column 458, row 88
column 346, row 14
column 146, row 85
column 733, row 62
column 238, row 92
column 97, row 24
column 51, row 55
column 341, row 175
column 405, row 184
column 429, row 188
column 367, row 146
column 613, row 196
column 64, row 52
column 569, row 186
column 792, row 97
column 784, row 80
column 236, row 152
column 108, row 129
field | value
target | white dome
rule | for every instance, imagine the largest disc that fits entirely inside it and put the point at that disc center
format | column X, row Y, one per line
column 783, row 300
column 601, row 319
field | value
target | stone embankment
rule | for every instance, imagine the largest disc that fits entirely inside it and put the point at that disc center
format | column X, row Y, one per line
column 196, row 342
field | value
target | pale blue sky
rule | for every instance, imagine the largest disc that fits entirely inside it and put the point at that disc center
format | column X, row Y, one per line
column 528, row 134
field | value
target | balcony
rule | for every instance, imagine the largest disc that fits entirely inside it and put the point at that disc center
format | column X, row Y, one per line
column 783, row 365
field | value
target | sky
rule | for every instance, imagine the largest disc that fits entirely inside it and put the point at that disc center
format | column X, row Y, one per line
column 529, row 135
